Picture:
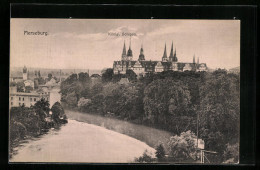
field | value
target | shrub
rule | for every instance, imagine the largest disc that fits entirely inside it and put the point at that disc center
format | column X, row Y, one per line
column 160, row 153
column 183, row 147
column 145, row 158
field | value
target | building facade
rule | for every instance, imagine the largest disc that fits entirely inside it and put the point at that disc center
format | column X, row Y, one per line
column 26, row 99
column 142, row 66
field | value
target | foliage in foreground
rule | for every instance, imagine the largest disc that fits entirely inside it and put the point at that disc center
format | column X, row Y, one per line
column 31, row 122
column 145, row 158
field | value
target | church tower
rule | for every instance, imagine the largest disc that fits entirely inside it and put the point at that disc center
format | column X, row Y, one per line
column 129, row 52
column 175, row 59
column 198, row 60
column 123, row 58
column 141, row 56
column 25, row 73
column 164, row 57
column 171, row 54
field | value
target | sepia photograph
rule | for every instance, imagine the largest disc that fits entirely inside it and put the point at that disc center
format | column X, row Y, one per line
column 124, row 91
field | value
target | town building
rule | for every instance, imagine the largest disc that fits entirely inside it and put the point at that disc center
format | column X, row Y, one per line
column 26, row 99
column 143, row 66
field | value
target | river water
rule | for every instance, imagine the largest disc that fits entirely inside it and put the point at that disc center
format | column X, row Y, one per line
column 81, row 142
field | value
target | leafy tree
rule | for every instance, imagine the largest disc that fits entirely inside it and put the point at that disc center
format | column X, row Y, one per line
column 219, row 111
column 107, row 75
column 84, row 103
column 164, row 98
column 130, row 74
column 20, row 87
column 231, row 154
column 160, row 153
column 145, row 158
column 183, row 147
column 49, row 76
column 58, row 114
column 83, row 77
column 71, row 99
column 41, row 108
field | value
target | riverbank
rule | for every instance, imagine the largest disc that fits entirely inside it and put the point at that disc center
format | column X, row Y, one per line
column 150, row 136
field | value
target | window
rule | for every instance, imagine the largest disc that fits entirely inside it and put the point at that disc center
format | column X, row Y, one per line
column 11, row 98
column 19, row 104
column 23, row 98
column 11, row 103
column 19, row 98
column 30, row 99
column 35, row 99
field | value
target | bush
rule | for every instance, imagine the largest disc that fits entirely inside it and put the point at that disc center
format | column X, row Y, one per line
column 231, row 154
column 146, row 158
column 183, row 147
column 58, row 114
column 160, row 153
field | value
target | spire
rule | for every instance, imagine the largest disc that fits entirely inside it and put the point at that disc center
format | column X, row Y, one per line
column 130, row 43
column 142, row 50
column 129, row 52
column 124, row 50
column 141, row 56
column 198, row 60
column 165, row 53
column 175, row 59
column 171, row 54
column 194, row 59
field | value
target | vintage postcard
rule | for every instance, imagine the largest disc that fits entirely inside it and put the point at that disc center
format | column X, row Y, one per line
column 124, row 91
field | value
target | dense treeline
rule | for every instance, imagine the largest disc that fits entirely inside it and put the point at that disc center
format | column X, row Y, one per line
column 173, row 101
column 30, row 122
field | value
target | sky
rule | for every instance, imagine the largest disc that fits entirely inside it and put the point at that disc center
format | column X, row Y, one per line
column 88, row 44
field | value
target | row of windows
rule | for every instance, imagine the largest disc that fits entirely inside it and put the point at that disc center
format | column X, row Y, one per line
column 34, row 99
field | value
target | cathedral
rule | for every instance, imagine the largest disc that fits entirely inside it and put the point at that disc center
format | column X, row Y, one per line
column 142, row 66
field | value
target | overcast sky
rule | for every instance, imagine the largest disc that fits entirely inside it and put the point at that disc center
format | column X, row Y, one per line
column 85, row 44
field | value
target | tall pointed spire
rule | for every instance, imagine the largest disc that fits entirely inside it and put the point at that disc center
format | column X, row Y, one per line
column 130, row 43
column 141, row 50
column 124, row 49
column 129, row 52
column 171, row 54
column 175, row 59
column 164, row 58
column 194, row 59
column 198, row 60
column 165, row 52
column 141, row 56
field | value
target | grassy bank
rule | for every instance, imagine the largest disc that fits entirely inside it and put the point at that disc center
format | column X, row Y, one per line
column 150, row 136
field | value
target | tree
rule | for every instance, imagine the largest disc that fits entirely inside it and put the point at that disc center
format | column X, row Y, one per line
column 84, row 103
column 164, row 98
column 49, row 76
column 41, row 108
column 84, row 77
column 183, row 147
column 160, row 153
column 130, row 74
column 145, row 158
column 107, row 75
column 219, row 111
column 58, row 114
column 20, row 87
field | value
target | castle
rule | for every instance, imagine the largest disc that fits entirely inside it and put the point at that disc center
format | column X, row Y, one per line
column 142, row 66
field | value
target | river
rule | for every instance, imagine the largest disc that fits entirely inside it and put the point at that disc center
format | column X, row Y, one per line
column 81, row 142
